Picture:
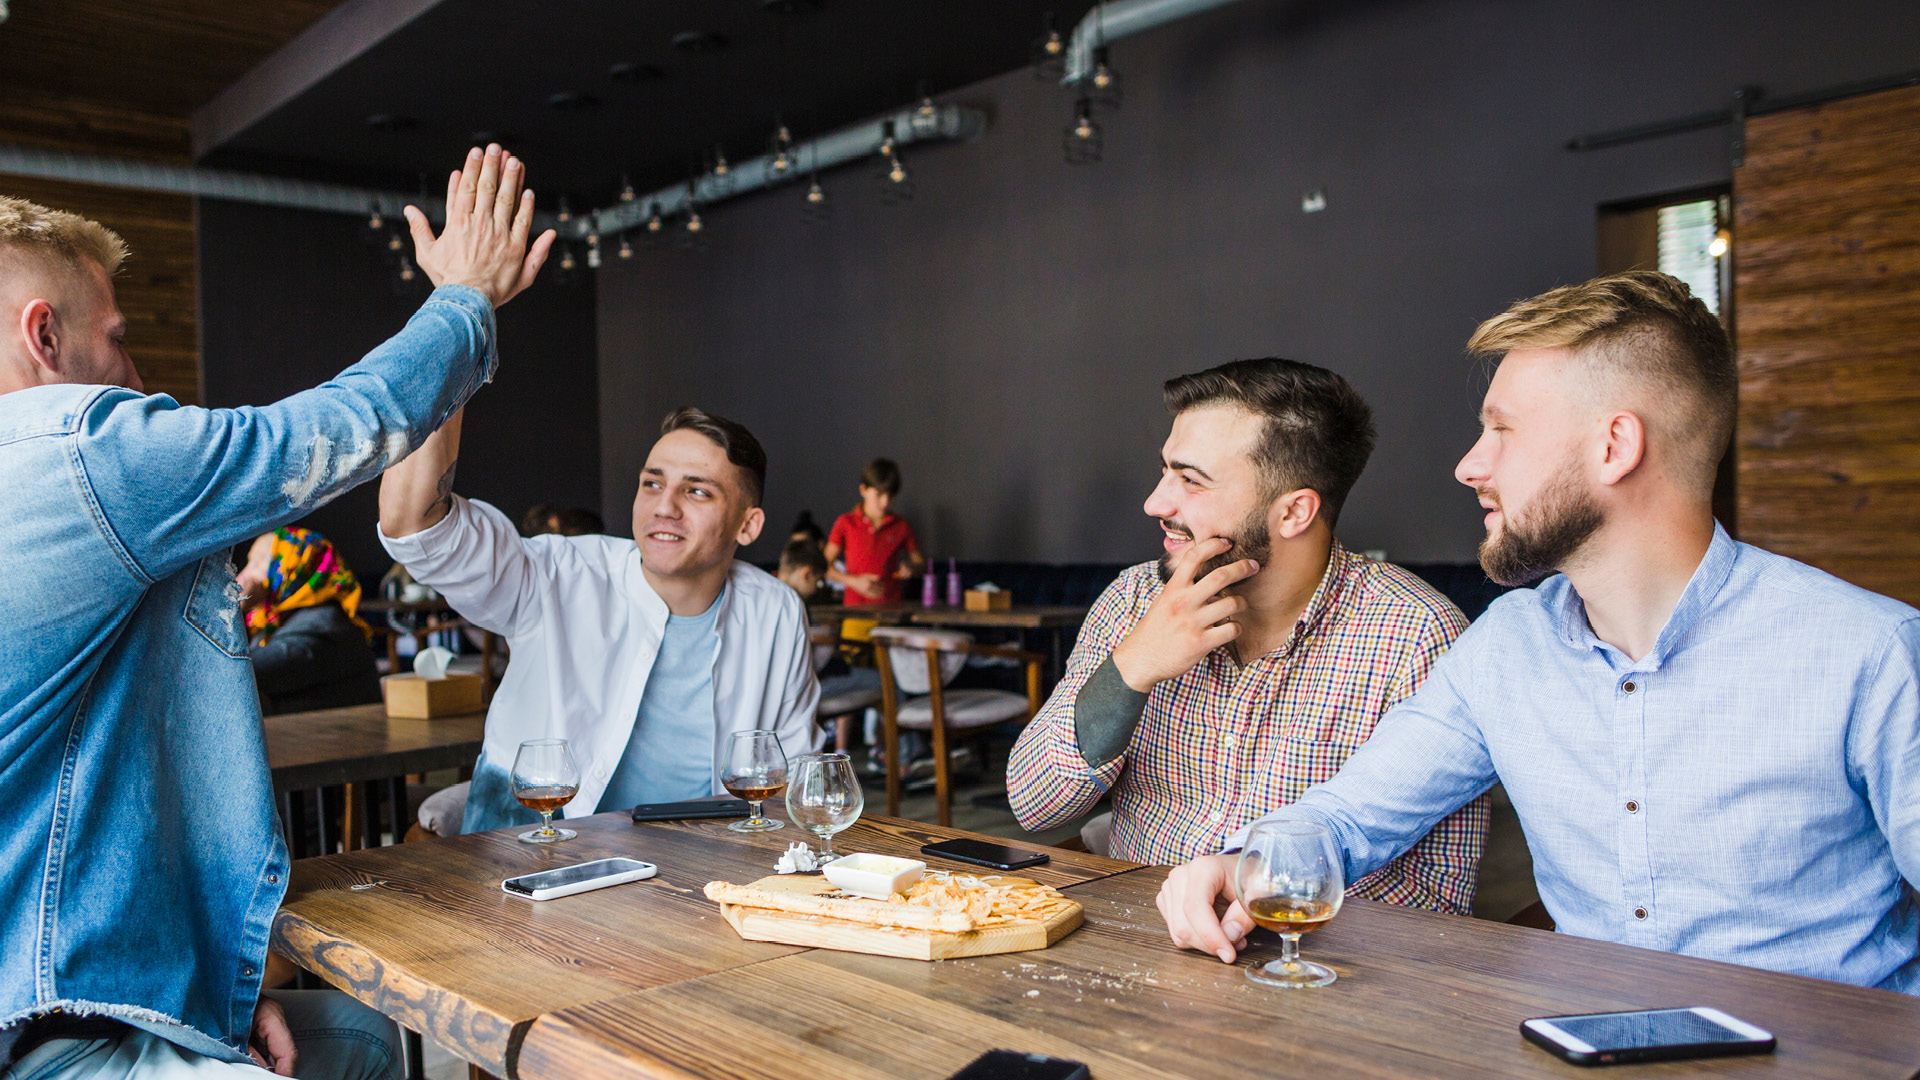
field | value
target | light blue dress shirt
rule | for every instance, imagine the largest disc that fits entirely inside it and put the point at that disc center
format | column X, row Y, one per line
column 669, row 756
column 1747, row 791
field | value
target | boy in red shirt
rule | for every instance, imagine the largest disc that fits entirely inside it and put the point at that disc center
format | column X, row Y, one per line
column 879, row 549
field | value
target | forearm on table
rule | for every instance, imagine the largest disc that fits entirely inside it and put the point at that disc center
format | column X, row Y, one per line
column 416, row 494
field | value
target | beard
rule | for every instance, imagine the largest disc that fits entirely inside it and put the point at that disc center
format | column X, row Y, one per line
column 1562, row 518
column 1250, row 541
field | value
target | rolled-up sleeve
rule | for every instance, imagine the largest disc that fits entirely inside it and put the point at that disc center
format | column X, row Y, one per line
column 1048, row 778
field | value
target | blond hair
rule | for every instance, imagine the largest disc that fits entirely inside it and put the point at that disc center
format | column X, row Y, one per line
column 1643, row 329
column 67, row 238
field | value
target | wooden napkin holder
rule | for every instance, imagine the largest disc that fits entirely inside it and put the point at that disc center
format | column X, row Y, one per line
column 410, row 697
column 988, row 601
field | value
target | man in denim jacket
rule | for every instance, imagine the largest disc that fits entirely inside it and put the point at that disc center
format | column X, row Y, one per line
column 138, row 841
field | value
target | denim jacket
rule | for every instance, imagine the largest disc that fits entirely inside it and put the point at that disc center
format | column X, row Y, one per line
column 139, row 847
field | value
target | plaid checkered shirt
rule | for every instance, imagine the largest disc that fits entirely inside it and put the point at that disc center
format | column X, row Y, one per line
column 1225, row 743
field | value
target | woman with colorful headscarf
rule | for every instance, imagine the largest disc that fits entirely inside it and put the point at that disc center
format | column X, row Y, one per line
column 310, row 648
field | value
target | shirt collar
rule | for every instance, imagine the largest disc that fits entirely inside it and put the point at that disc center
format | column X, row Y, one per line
column 1703, row 588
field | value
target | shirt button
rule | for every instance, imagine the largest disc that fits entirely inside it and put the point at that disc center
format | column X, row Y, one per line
column 1629, row 687
column 273, row 879
column 1229, row 742
column 1219, row 816
column 1632, row 807
column 1640, row 913
column 247, row 971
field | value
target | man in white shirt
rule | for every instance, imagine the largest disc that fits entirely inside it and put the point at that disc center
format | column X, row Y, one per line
column 646, row 655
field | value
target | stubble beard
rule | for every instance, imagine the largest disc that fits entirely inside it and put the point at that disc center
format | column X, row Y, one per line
column 1250, row 541
column 1561, row 520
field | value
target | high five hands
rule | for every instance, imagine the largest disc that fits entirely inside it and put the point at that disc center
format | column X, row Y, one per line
column 484, row 243
column 1188, row 620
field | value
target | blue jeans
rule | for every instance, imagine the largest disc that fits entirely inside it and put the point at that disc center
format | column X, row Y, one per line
column 335, row 1038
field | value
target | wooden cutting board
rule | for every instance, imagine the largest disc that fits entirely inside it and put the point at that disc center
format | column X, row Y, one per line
column 820, row 932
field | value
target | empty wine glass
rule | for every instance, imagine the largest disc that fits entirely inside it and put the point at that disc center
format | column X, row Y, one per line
column 824, row 797
column 545, row 779
column 1290, row 881
column 756, row 771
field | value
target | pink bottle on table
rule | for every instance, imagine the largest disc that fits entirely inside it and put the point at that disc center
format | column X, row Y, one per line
column 953, row 583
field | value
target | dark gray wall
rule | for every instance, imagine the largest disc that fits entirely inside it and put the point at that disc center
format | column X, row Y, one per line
column 1004, row 335
column 289, row 298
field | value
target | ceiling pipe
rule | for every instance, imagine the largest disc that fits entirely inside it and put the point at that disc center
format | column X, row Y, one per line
column 213, row 183
column 1109, row 22
column 950, row 122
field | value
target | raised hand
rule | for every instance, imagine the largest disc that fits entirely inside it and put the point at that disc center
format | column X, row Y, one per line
column 484, row 243
column 1188, row 620
column 1189, row 901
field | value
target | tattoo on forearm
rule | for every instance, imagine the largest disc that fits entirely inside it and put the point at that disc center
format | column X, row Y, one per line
column 444, row 492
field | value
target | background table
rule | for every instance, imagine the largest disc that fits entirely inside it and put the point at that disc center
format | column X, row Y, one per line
column 313, row 756
column 1419, row 995
column 424, row 933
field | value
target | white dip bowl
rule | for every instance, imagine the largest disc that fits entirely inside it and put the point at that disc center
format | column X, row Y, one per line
column 876, row 876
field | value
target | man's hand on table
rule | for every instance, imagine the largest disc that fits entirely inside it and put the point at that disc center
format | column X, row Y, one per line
column 271, row 1045
column 1189, row 901
column 484, row 244
column 1188, row 620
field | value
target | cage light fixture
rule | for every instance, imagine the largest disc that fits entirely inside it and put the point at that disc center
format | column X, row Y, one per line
column 1083, row 140
column 1049, row 51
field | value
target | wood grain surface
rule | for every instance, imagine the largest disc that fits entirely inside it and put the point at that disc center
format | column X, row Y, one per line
column 1827, row 275
column 424, row 933
column 361, row 743
column 1419, row 995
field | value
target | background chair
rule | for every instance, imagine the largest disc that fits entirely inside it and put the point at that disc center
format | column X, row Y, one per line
column 915, row 667
column 838, row 707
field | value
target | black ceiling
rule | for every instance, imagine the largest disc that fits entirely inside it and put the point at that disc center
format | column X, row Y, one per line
column 586, row 90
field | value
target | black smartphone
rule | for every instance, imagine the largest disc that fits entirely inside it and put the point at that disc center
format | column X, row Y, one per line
column 1651, row 1035
column 689, row 811
column 1014, row 1065
column 981, row 853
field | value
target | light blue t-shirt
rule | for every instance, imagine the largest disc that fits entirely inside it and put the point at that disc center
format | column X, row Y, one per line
column 669, row 756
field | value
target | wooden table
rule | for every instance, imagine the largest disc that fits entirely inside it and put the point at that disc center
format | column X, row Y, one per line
column 361, row 743
column 1018, row 617
column 1419, row 995
column 431, row 940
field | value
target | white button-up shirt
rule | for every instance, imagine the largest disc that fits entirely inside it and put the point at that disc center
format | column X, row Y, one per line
column 584, row 626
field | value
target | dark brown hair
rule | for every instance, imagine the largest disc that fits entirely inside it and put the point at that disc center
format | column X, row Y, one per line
column 799, row 553
column 881, row 474
column 743, row 450
column 1318, row 430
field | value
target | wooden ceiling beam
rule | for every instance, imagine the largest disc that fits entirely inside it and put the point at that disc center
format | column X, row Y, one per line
column 320, row 50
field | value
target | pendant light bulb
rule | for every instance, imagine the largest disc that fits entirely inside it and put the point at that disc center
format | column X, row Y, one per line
column 719, row 162
column 654, row 224
column 1102, row 77
column 626, row 190
column 1054, row 45
column 626, row 247
column 566, row 258
column 394, row 243
column 374, row 221
column 694, row 224
column 897, row 174
column 565, row 214
column 407, row 272
column 1717, row 247
column 815, row 195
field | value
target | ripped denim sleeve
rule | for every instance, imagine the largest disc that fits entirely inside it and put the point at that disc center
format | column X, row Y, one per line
column 172, row 483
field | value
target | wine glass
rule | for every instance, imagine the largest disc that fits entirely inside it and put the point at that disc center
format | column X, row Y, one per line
column 824, row 797
column 545, row 779
column 1290, row 881
column 756, row 771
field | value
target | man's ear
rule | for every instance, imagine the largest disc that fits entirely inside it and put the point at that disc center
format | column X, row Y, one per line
column 1624, row 449
column 755, row 520
column 1294, row 513
column 40, row 333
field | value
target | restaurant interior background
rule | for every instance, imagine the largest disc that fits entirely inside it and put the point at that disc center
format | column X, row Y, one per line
column 1003, row 333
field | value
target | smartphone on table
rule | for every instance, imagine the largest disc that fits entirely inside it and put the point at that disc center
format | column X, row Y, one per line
column 1649, row 1035
column 981, row 853
column 582, row 877
column 1014, row 1065
column 690, row 811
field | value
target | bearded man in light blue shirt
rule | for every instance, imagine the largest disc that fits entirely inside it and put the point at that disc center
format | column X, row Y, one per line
column 1713, row 750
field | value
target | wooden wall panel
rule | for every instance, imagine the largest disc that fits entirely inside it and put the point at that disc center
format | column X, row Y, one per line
column 1827, row 272
column 156, row 287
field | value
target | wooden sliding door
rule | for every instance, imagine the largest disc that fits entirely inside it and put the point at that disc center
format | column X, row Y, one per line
column 1827, row 271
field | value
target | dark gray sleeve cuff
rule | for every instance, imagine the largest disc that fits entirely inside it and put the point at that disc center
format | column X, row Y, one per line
column 1105, row 714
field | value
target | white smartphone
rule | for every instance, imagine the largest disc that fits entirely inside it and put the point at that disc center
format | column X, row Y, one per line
column 1652, row 1035
column 583, row 877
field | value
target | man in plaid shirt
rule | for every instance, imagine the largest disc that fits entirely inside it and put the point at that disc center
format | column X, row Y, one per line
column 1257, row 654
